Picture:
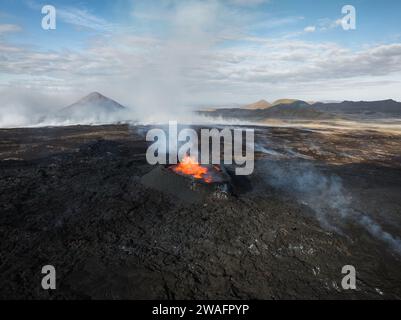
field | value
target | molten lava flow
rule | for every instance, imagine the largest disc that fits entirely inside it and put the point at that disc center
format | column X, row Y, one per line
column 188, row 166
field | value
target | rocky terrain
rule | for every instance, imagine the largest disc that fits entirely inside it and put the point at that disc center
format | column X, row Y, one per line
column 73, row 197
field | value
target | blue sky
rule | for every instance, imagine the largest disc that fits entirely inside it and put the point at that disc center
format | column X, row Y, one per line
column 378, row 21
column 198, row 52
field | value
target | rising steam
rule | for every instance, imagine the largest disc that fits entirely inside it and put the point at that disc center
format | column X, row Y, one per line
column 325, row 195
column 155, row 75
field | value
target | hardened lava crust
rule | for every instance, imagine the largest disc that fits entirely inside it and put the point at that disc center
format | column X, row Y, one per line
column 85, row 200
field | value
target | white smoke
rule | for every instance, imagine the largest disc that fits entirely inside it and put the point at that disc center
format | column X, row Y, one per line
column 326, row 196
column 156, row 75
column 25, row 107
column 165, row 83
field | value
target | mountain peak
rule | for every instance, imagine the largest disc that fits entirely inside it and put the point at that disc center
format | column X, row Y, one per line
column 284, row 101
column 93, row 96
column 94, row 105
column 261, row 104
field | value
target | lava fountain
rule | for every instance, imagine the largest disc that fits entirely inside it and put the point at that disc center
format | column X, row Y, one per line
column 188, row 166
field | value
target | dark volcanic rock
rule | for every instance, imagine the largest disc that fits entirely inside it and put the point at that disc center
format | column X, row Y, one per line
column 185, row 188
column 78, row 203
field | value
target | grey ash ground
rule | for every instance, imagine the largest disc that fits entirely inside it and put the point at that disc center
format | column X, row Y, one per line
column 72, row 197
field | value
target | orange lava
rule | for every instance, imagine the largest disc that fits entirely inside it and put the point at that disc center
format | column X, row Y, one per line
column 188, row 166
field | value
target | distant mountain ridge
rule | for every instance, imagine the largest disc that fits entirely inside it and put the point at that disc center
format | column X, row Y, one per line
column 297, row 110
column 263, row 104
column 291, row 109
column 286, row 101
column 385, row 107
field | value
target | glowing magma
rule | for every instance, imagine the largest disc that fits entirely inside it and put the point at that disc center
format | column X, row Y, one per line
column 188, row 166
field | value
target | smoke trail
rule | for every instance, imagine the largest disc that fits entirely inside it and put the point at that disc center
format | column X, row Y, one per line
column 326, row 196
column 375, row 230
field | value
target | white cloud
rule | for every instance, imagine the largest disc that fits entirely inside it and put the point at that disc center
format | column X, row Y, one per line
column 78, row 17
column 328, row 24
column 162, row 73
column 83, row 18
column 206, row 55
column 248, row 2
column 310, row 29
column 8, row 28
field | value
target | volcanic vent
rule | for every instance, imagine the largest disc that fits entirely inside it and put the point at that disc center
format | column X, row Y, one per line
column 190, row 181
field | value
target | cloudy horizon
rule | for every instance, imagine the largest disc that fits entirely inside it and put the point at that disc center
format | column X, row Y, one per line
column 165, row 55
